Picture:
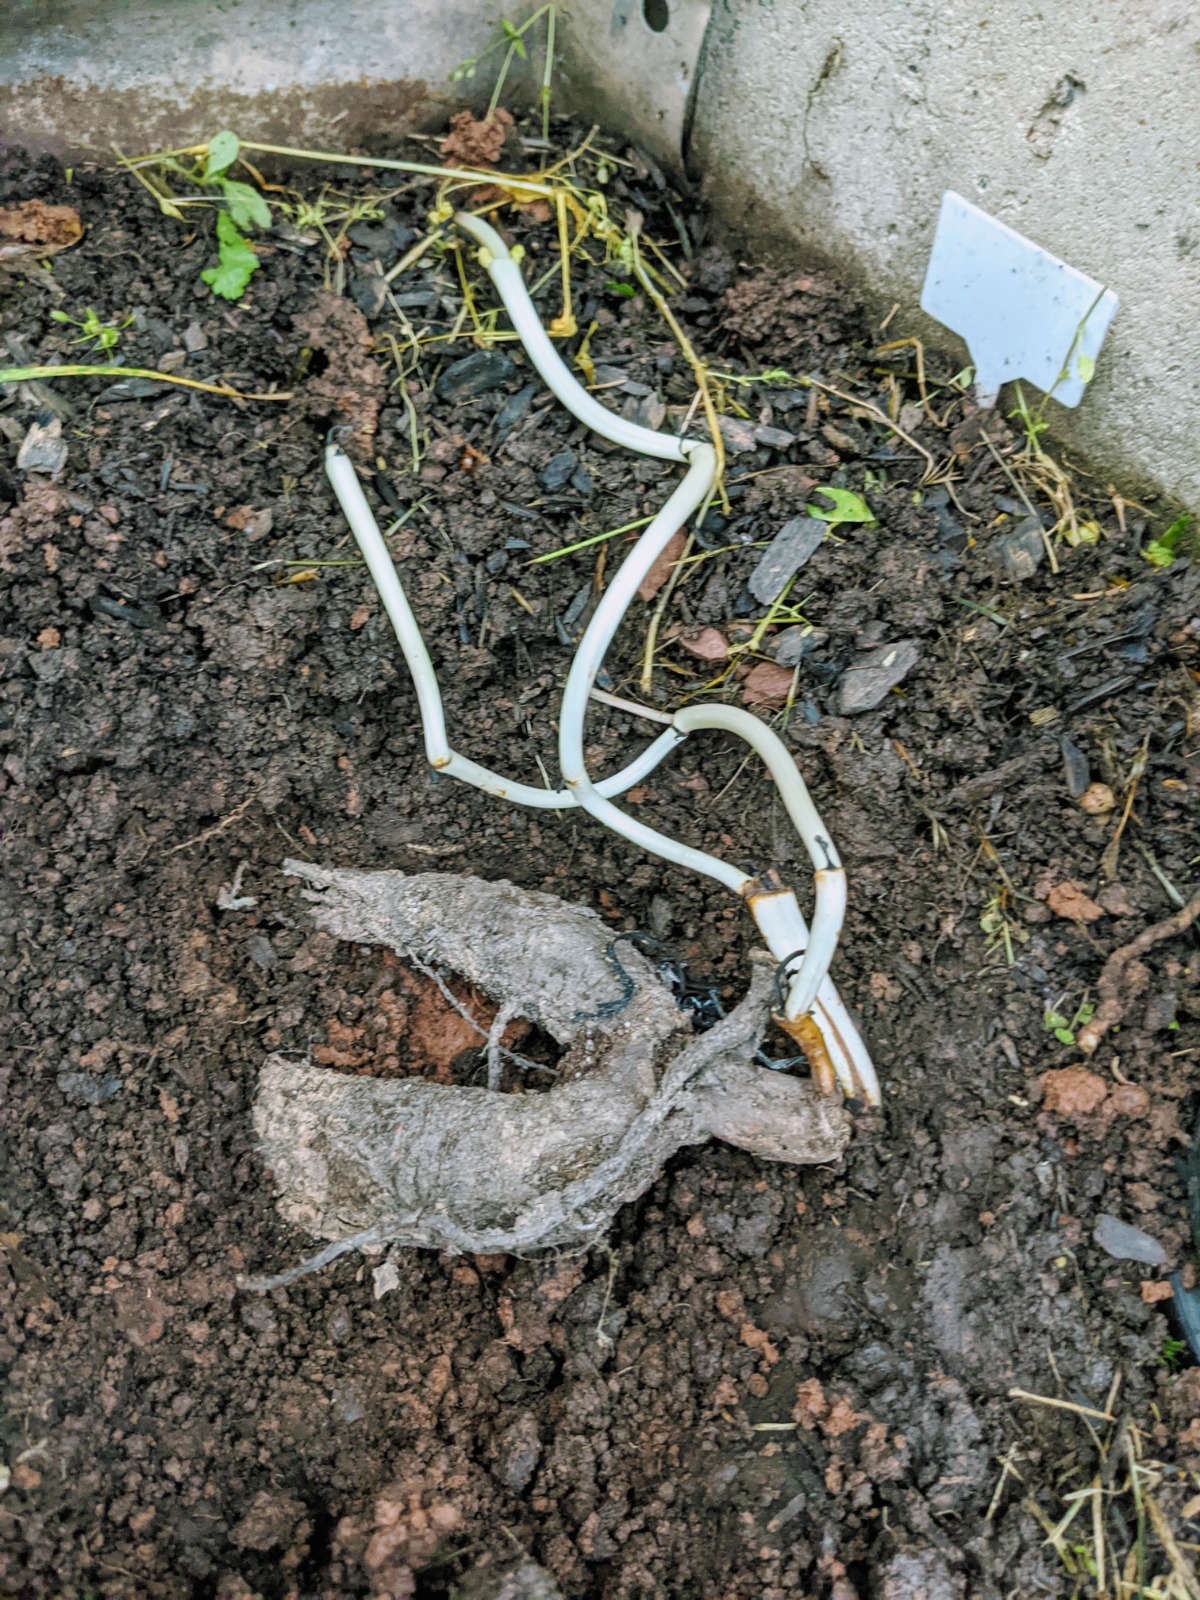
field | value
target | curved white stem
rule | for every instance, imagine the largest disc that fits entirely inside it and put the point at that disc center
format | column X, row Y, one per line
column 774, row 907
column 345, row 484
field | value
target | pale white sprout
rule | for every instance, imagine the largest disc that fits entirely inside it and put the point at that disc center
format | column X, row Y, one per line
column 811, row 1003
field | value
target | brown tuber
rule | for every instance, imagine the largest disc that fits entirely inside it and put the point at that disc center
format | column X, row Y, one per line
column 368, row 1162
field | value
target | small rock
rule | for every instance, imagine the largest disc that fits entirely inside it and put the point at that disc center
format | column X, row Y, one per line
column 1072, row 1091
column 648, row 412
column 273, row 1521
column 1076, row 771
column 43, row 450
column 866, row 684
column 520, row 1452
column 373, row 238
column 1126, row 1243
column 660, row 914
column 385, row 1278
column 524, row 1581
column 920, row 1575
column 767, row 685
column 559, row 469
column 1096, row 799
column 86, row 1090
column 794, row 644
column 261, row 951
column 774, row 438
column 475, row 375
column 787, row 552
column 1020, row 553
column 581, row 481
column 515, row 407
column 710, row 644
column 259, row 1317
column 194, row 338
column 141, row 1315
column 738, row 435
column 368, row 292
column 1068, row 900
column 171, row 362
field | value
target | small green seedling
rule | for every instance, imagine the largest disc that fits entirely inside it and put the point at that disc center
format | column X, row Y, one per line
column 1172, row 1353
column 847, row 507
column 236, row 261
column 1161, row 552
column 513, row 39
column 100, row 335
column 1064, row 1029
column 625, row 290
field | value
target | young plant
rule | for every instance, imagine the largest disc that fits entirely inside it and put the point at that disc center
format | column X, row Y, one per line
column 514, row 39
column 1064, row 1029
column 242, row 207
column 1161, row 552
column 1002, row 933
column 100, row 335
column 236, row 261
column 1172, row 1353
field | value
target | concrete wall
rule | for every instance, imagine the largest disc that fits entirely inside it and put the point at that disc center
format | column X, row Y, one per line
column 830, row 125
column 1078, row 124
column 78, row 76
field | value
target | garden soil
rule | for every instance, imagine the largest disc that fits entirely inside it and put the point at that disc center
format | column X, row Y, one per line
column 770, row 1381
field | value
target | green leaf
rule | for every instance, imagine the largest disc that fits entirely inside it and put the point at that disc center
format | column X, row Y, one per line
column 847, row 507
column 246, row 205
column 236, row 262
column 222, row 153
column 59, row 316
column 1086, row 368
column 1160, row 552
column 1055, row 1019
column 1064, row 1036
column 625, row 290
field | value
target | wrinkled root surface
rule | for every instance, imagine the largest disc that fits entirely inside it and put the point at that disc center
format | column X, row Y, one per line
column 370, row 1161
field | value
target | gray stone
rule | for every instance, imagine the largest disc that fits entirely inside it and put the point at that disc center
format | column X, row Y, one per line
column 43, row 450
column 1018, row 555
column 738, row 435
column 87, row 1090
column 520, row 1452
column 475, row 375
column 1126, row 1243
column 794, row 645
column 515, row 407
column 194, row 338
column 787, row 552
column 868, row 682
column 559, row 470
column 774, row 438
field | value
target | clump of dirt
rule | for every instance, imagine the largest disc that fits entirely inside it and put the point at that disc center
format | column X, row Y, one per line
column 774, row 1382
column 473, row 142
column 347, row 385
column 785, row 317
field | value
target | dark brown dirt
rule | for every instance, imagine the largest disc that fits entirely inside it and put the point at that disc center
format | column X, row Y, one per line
column 779, row 1382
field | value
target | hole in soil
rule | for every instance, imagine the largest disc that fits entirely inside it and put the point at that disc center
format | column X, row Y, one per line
column 383, row 1019
column 657, row 14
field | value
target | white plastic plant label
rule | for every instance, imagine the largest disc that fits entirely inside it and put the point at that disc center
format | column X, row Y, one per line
column 1022, row 311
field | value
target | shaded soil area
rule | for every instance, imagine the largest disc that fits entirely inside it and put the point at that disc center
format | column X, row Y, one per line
column 775, row 1382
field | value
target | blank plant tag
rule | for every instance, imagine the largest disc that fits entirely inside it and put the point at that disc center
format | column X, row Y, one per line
column 1023, row 312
